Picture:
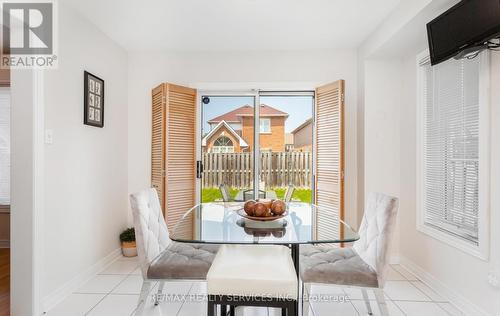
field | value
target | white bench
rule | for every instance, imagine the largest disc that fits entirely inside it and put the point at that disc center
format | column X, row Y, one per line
column 252, row 275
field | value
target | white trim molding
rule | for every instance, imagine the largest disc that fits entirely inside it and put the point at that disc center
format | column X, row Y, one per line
column 27, row 190
column 462, row 303
column 482, row 249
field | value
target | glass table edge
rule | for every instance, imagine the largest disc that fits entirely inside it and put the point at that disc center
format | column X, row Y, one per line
column 189, row 241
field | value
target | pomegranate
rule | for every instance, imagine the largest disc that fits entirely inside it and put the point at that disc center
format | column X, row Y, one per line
column 278, row 207
column 249, row 207
column 266, row 202
column 260, row 209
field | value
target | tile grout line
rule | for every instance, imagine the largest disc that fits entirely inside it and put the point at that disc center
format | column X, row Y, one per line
column 411, row 282
column 107, row 294
column 422, row 292
column 439, row 305
column 350, row 301
column 414, row 286
column 354, row 306
column 432, row 300
column 399, row 307
column 445, row 301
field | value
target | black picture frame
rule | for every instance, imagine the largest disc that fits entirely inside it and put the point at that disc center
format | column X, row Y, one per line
column 93, row 100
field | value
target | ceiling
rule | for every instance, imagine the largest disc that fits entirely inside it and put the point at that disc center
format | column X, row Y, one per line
column 235, row 25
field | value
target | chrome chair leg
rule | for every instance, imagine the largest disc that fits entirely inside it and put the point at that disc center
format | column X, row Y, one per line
column 367, row 301
column 382, row 305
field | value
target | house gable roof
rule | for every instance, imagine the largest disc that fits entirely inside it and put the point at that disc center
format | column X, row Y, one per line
column 221, row 124
column 301, row 126
column 247, row 110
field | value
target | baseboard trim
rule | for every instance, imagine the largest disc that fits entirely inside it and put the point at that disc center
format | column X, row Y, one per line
column 65, row 290
column 462, row 303
column 4, row 243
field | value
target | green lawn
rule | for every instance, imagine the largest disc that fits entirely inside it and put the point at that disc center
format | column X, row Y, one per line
column 303, row 195
column 212, row 194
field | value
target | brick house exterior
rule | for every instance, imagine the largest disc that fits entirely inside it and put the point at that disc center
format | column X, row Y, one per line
column 237, row 125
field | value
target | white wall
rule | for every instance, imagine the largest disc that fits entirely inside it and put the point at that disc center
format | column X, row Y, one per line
column 86, row 199
column 382, row 101
column 381, row 129
column 462, row 273
column 225, row 70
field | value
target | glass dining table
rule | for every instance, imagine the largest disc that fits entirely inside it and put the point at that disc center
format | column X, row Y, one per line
column 224, row 223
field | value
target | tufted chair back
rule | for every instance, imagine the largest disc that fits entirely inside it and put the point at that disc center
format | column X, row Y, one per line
column 376, row 232
column 151, row 232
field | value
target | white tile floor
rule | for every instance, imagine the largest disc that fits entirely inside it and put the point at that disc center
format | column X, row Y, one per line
column 114, row 292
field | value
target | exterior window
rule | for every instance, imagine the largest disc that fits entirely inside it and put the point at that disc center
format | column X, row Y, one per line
column 223, row 145
column 265, row 125
column 453, row 135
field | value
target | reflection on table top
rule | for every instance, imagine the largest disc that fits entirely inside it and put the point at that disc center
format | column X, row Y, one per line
column 220, row 223
column 245, row 195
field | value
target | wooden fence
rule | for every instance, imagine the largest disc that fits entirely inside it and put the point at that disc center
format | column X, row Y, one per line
column 278, row 169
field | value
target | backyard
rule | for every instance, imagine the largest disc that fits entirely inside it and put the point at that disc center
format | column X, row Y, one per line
column 300, row 194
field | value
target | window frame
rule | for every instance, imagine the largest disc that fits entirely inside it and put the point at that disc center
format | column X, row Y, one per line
column 223, row 149
column 482, row 249
column 268, row 119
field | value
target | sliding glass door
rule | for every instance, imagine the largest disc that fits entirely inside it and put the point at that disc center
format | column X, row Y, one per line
column 233, row 165
column 226, row 166
column 286, row 142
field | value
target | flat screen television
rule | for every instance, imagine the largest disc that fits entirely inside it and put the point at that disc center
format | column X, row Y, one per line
column 468, row 24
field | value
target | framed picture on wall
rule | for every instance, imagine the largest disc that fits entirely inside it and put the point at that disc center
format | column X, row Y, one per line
column 93, row 102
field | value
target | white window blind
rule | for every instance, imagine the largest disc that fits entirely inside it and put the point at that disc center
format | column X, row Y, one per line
column 451, row 147
column 4, row 146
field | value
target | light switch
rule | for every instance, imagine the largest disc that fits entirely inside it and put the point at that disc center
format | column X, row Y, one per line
column 494, row 280
column 49, row 136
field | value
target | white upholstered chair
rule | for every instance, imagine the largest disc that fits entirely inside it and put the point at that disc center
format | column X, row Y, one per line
column 161, row 258
column 364, row 265
column 224, row 191
column 289, row 193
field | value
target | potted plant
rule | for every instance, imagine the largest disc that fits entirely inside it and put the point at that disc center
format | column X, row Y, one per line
column 127, row 238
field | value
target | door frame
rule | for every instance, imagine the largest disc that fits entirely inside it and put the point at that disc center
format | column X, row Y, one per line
column 256, row 93
column 27, row 191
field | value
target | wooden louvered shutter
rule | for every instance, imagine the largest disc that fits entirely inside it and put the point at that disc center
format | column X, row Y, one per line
column 329, row 147
column 179, row 157
column 158, row 142
column 181, row 153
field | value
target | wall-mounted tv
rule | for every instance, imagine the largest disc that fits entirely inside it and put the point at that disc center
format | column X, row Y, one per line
column 468, row 24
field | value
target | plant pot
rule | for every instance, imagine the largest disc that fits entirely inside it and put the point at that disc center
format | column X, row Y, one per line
column 129, row 249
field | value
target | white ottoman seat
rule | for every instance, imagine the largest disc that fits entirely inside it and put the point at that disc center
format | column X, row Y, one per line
column 253, row 270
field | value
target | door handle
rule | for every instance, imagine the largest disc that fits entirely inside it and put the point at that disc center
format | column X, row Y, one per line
column 199, row 169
